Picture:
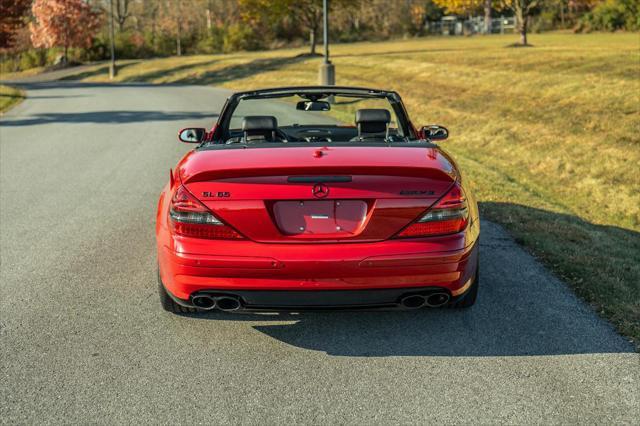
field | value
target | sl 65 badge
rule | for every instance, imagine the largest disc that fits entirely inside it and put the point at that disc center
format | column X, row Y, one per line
column 220, row 194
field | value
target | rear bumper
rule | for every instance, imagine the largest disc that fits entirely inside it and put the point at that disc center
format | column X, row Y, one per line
column 348, row 275
column 283, row 300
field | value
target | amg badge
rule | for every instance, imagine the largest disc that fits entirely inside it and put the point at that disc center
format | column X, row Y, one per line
column 416, row 192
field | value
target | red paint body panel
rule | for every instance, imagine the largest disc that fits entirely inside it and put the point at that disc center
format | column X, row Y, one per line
column 272, row 259
column 384, row 161
column 246, row 265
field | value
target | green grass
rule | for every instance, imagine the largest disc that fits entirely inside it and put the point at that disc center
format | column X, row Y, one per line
column 9, row 97
column 549, row 135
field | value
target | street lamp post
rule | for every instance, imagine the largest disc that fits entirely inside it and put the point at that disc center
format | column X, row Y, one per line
column 327, row 70
column 112, row 65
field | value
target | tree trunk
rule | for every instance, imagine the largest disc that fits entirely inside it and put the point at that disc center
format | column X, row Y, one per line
column 178, row 29
column 122, row 13
column 521, row 23
column 178, row 46
column 66, row 43
column 523, row 32
column 313, row 40
column 209, row 15
column 42, row 57
column 154, row 28
column 487, row 16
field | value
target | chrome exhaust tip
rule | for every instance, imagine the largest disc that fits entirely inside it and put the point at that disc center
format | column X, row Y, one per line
column 414, row 301
column 435, row 300
column 203, row 301
column 227, row 303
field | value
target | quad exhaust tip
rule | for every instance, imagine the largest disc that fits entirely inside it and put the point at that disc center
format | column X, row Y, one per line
column 203, row 301
column 224, row 303
column 413, row 301
column 433, row 300
column 228, row 303
column 436, row 300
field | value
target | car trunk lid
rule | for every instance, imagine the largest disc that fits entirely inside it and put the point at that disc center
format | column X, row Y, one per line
column 345, row 194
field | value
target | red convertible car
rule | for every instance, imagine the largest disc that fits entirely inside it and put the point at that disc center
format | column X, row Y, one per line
column 316, row 198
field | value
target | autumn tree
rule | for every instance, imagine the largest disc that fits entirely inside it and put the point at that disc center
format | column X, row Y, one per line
column 63, row 23
column 309, row 13
column 147, row 17
column 221, row 13
column 12, row 19
column 179, row 18
column 523, row 10
column 466, row 7
column 122, row 12
column 487, row 16
column 306, row 12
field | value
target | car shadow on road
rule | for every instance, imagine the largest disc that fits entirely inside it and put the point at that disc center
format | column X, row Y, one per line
column 522, row 309
column 494, row 327
column 500, row 324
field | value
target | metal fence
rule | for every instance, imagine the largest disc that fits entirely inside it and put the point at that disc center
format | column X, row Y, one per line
column 452, row 25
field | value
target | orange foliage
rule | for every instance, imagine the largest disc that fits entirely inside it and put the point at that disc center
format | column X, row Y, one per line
column 12, row 19
column 65, row 23
column 460, row 7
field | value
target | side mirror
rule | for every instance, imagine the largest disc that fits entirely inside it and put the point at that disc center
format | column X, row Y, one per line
column 313, row 106
column 192, row 135
column 434, row 132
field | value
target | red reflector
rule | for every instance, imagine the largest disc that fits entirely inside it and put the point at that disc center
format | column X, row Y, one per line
column 196, row 230
column 422, row 229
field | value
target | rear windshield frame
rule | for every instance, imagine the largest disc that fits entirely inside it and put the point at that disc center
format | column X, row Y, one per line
column 222, row 131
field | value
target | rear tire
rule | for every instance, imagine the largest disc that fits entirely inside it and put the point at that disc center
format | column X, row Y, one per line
column 469, row 298
column 168, row 304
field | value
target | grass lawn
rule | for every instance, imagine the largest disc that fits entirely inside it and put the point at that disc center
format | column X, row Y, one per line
column 20, row 74
column 550, row 135
column 9, row 96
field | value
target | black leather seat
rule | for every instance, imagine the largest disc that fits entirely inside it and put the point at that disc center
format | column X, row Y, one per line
column 372, row 124
column 259, row 127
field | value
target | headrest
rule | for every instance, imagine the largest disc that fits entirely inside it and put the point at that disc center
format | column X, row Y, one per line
column 373, row 115
column 259, row 122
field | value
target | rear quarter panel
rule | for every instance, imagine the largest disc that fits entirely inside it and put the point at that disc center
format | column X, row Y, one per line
column 467, row 186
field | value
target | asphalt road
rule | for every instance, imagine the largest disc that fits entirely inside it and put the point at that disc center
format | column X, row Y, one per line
column 83, row 338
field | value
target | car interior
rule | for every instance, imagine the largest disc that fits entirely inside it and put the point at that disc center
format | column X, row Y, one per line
column 369, row 125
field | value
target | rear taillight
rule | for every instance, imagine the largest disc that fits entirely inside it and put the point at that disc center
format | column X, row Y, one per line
column 447, row 216
column 191, row 218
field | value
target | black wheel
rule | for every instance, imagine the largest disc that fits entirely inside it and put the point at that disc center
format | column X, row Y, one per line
column 168, row 304
column 469, row 298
